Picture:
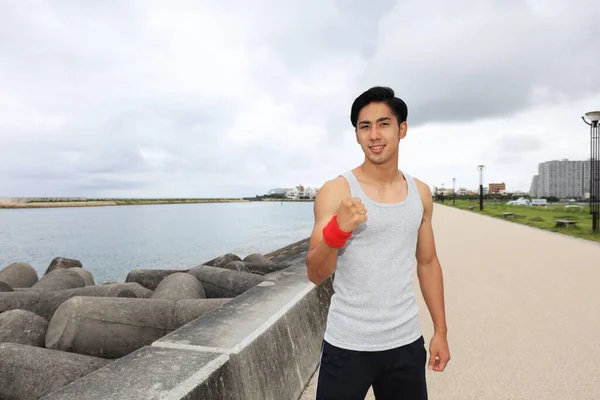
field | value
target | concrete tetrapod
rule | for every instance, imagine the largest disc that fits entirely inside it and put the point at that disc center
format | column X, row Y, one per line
column 19, row 275
column 220, row 282
column 257, row 258
column 236, row 266
column 63, row 263
column 45, row 304
column 24, row 327
column 88, row 278
column 114, row 328
column 59, row 279
column 179, row 286
column 223, row 260
column 254, row 268
column 29, row 373
column 138, row 290
column 259, row 264
column 150, row 278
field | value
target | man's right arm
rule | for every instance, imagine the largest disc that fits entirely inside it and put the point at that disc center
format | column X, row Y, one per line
column 321, row 259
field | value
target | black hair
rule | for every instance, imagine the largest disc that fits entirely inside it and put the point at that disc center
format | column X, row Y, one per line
column 379, row 94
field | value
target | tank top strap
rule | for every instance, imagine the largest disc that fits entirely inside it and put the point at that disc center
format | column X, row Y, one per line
column 413, row 189
column 355, row 188
column 412, row 185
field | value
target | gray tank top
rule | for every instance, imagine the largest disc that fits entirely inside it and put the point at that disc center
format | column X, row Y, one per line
column 373, row 307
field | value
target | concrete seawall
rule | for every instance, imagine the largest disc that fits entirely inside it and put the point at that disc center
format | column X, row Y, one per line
column 263, row 344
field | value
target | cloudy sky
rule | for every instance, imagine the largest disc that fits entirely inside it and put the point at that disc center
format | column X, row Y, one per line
column 232, row 98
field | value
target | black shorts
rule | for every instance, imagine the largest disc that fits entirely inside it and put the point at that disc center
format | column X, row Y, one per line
column 394, row 374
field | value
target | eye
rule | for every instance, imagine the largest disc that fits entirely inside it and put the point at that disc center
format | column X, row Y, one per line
column 364, row 127
column 384, row 123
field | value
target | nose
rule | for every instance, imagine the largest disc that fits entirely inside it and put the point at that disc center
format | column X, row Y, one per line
column 374, row 134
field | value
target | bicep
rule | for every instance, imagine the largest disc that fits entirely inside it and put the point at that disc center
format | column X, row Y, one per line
column 426, row 251
column 425, row 243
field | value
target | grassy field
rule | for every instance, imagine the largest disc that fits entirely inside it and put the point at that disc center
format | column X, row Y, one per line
column 539, row 217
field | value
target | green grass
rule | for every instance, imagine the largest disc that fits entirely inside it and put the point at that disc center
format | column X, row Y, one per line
column 539, row 217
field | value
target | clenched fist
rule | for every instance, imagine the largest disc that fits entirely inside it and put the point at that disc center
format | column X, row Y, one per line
column 351, row 214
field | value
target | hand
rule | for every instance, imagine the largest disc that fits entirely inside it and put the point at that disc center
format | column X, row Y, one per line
column 439, row 354
column 351, row 214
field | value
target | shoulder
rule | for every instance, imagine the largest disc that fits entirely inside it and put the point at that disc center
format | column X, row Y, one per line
column 336, row 188
column 332, row 193
column 426, row 196
column 424, row 189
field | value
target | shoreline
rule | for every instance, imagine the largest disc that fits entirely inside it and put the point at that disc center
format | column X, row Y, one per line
column 125, row 202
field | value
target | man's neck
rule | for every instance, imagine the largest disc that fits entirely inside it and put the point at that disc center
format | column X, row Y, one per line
column 382, row 174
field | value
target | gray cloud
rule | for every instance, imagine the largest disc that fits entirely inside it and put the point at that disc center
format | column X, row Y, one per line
column 143, row 98
column 510, row 158
column 519, row 143
column 480, row 60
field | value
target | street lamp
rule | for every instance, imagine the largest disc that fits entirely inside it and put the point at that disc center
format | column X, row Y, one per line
column 454, row 191
column 594, row 117
column 481, row 168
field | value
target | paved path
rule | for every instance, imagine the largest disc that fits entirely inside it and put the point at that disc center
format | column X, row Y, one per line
column 523, row 309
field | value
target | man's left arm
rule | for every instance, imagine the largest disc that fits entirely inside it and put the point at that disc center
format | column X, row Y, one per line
column 429, row 272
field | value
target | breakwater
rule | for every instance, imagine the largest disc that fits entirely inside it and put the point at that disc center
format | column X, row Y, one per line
column 39, row 202
column 231, row 327
column 42, row 202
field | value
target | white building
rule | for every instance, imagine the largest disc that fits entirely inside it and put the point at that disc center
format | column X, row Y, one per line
column 310, row 193
column 293, row 194
column 301, row 193
column 562, row 179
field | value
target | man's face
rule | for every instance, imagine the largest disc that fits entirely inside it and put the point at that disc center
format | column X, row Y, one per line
column 378, row 133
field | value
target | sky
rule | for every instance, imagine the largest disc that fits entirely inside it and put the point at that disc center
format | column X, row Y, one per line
column 227, row 98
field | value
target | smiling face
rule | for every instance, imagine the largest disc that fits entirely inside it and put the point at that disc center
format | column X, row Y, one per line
column 378, row 133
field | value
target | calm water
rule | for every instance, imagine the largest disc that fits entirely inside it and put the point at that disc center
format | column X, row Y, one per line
column 110, row 241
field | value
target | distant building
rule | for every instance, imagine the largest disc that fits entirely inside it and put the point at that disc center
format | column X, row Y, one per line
column 311, row 193
column 533, row 190
column 562, row 179
column 293, row 194
column 280, row 191
column 497, row 188
column 301, row 192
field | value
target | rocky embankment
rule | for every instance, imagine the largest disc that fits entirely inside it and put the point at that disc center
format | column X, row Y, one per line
column 59, row 327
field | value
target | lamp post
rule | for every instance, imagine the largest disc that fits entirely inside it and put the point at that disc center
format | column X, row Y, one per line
column 481, row 168
column 594, row 117
column 453, row 191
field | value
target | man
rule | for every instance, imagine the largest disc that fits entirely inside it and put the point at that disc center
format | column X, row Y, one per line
column 372, row 224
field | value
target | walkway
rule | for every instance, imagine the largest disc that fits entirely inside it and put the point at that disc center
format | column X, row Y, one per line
column 523, row 309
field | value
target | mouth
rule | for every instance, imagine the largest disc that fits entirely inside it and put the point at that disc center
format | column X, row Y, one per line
column 377, row 148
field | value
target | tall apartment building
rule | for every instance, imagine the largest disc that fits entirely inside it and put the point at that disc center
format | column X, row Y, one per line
column 561, row 178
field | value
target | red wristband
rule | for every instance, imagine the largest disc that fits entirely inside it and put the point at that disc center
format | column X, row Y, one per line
column 333, row 235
